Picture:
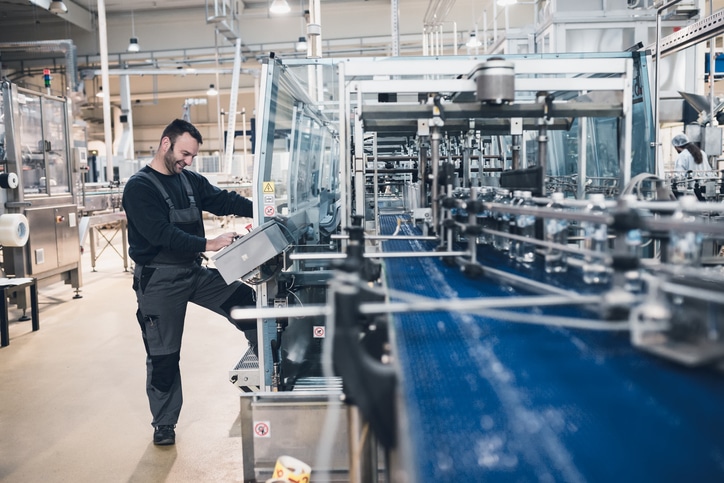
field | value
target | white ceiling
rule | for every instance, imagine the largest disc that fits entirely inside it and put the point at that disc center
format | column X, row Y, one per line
column 174, row 34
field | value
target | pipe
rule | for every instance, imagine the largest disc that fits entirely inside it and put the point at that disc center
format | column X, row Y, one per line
column 105, row 80
column 516, row 151
column 175, row 72
column 435, row 160
column 657, row 71
column 65, row 46
column 712, row 71
column 543, row 138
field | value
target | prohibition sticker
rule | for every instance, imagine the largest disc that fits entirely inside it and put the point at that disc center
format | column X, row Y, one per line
column 262, row 429
column 268, row 187
column 318, row 331
column 269, row 210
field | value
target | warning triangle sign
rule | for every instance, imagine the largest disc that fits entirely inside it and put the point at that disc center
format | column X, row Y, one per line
column 268, row 187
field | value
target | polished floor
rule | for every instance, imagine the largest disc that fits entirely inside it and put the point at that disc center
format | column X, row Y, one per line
column 72, row 395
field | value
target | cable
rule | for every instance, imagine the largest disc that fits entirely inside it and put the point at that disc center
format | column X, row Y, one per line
column 274, row 273
column 298, row 300
column 281, row 221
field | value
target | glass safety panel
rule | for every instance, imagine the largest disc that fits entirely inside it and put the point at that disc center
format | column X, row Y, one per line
column 32, row 146
column 55, row 135
column 42, row 136
column 297, row 161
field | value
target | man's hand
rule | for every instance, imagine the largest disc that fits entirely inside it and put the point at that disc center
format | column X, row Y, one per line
column 221, row 241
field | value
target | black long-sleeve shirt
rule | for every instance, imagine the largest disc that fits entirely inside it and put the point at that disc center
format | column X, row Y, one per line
column 149, row 229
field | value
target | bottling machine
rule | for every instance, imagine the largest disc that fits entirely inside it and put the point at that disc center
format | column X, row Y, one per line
column 470, row 269
column 42, row 154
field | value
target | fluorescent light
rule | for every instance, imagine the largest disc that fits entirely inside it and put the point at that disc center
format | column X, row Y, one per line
column 212, row 91
column 58, row 7
column 279, row 6
column 133, row 45
column 301, row 44
column 504, row 3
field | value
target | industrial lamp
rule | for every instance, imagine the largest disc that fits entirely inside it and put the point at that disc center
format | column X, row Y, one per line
column 301, row 44
column 212, row 91
column 473, row 41
column 58, row 7
column 279, row 6
column 133, row 44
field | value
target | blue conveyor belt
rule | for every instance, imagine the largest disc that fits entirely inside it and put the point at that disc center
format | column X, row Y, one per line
column 489, row 400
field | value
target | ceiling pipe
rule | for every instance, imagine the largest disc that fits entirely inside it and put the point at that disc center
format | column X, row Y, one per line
column 155, row 96
column 177, row 72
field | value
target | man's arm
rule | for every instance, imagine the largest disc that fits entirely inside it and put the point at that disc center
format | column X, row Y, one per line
column 221, row 202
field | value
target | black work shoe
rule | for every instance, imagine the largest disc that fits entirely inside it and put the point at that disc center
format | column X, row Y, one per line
column 164, row 435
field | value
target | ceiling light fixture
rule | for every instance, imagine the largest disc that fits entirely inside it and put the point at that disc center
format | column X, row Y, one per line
column 100, row 92
column 473, row 41
column 505, row 3
column 301, row 44
column 133, row 44
column 212, row 91
column 58, row 7
column 279, row 7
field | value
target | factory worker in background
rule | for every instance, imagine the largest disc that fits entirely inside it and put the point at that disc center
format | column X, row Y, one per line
column 690, row 158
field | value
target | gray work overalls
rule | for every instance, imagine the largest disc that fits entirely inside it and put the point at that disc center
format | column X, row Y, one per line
column 163, row 289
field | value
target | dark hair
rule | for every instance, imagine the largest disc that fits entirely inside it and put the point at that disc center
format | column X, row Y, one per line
column 178, row 127
column 695, row 152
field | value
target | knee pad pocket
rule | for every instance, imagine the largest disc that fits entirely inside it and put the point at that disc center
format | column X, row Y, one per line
column 164, row 370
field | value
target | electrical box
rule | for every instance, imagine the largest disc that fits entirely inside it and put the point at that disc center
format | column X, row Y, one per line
column 250, row 251
column 80, row 159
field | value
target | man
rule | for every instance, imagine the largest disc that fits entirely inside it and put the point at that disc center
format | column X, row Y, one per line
column 163, row 204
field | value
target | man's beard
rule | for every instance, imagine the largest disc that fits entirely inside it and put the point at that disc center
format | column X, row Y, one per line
column 170, row 161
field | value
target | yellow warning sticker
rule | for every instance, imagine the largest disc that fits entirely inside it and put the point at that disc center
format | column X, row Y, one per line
column 268, row 187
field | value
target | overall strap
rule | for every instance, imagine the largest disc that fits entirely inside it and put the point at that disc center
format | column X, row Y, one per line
column 189, row 190
column 164, row 193
column 158, row 185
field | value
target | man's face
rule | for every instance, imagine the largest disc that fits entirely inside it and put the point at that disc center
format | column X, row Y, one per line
column 179, row 154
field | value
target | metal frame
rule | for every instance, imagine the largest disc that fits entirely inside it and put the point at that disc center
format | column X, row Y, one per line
column 574, row 73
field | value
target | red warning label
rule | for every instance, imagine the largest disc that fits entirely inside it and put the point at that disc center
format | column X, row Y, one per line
column 262, row 429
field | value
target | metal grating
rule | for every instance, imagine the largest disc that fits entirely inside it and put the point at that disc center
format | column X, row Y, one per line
column 248, row 361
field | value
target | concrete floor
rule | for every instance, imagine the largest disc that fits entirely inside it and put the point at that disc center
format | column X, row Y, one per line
column 72, row 395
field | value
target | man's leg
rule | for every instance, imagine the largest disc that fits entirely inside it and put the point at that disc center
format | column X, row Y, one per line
column 162, row 295
column 213, row 293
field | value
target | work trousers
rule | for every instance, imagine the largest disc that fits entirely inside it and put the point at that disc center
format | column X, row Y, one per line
column 163, row 293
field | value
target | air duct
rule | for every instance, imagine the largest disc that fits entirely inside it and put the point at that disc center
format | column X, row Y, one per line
column 65, row 46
